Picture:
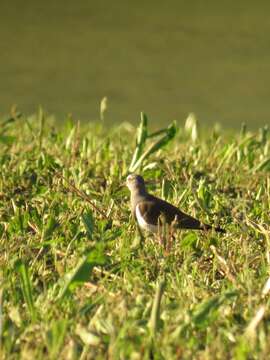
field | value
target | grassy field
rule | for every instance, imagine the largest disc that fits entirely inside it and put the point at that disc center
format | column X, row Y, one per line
column 76, row 282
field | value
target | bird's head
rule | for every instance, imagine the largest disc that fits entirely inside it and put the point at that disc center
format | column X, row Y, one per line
column 135, row 182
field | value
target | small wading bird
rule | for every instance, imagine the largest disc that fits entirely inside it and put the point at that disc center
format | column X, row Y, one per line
column 148, row 209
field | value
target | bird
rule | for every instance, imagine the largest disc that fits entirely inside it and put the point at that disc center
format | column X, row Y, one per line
column 148, row 210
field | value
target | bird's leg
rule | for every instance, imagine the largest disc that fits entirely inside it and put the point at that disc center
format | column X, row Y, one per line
column 161, row 233
column 141, row 237
column 161, row 240
column 171, row 237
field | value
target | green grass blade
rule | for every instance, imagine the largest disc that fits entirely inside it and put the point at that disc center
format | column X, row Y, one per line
column 55, row 337
column 26, row 286
column 88, row 222
column 49, row 228
column 155, row 313
column 264, row 165
column 142, row 134
column 157, row 145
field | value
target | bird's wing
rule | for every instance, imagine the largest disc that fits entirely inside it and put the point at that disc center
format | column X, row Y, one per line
column 149, row 211
column 154, row 208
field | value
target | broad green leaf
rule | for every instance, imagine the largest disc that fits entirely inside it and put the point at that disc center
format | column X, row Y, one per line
column 166, row 188
column 22, row 270
column 49, row 228
column 264, row 134
column 155, row 313
column 7, row 139
column 204, row 195
column 103, row 107
column 82, row 272
column 87, row 337
column 88, row 221
column 55, row 337
column 191, row 127
column 71, row 137
column 203, row 312
column 189, row 241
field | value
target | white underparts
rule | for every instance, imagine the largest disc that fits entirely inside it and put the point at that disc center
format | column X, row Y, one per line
column 143, row 224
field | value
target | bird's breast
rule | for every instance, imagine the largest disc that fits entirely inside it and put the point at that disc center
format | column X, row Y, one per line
column 142, row 223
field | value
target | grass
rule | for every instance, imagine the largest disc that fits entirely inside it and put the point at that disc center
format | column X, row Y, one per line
column 75, row 284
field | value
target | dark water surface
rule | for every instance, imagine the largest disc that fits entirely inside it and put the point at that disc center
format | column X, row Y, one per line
column 167, row 58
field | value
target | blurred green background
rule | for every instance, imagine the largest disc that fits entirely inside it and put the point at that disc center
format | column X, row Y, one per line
column 167, row 58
